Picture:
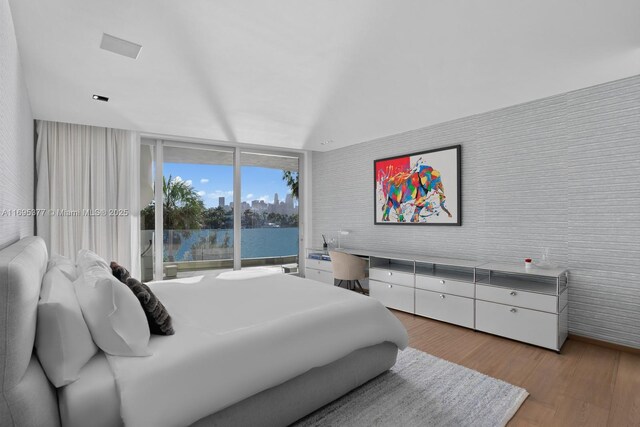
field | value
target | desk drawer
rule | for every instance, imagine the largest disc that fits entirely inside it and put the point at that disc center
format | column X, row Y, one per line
column 534, row 327
column 318, row 264
column 532, row 300
column 392, row 296
column 319, row 275
column 442, row 285
column 448, row 308
column 391, row 276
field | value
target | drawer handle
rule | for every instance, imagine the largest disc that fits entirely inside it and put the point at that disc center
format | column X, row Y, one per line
column 513, row 310
column 513, row 293
column 390, row 274
column 442, row 296
column 390, row 286
column 442, row 282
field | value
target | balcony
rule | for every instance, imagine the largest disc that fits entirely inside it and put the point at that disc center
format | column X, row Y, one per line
column 208, row 251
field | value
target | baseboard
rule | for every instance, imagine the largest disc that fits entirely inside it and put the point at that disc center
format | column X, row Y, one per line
column 606, row 344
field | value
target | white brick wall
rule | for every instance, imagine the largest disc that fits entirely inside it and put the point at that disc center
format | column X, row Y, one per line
column 16, row 136
column 561, row 172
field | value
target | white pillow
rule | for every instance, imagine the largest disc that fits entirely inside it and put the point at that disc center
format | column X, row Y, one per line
column 63, row 341
column 92, row 266
column 66, row 266
column 114, row 315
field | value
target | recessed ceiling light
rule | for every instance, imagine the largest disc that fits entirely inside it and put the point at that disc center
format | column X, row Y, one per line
column 100, row 98
column 120, row 46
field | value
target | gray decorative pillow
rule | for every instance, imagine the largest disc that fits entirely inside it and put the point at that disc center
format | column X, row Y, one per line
column 157, row 315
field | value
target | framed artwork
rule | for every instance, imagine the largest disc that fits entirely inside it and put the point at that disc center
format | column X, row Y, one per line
column 420, row 188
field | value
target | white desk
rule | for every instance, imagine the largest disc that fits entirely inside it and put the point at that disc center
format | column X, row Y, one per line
column 506, row 299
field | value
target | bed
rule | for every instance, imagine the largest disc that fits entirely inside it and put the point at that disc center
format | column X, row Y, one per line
column 247, row 351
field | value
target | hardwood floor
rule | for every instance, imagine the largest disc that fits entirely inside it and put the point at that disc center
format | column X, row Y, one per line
column 584, row 385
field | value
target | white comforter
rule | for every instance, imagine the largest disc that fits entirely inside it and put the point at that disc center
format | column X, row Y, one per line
column 235, row 338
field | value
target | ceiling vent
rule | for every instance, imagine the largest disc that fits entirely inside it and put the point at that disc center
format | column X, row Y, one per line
column 120, row 46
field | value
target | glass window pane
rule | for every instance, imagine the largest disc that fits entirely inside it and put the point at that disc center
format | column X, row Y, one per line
column 269, row 211
column 198, row 210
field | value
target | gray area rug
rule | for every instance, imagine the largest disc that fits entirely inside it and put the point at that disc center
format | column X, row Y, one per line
column 423, row 390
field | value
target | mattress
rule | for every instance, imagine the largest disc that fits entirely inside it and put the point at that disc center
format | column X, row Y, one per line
column 236, row 338
column 92, row 399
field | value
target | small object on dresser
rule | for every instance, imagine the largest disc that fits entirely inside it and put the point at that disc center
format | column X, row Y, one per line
column 527, row 263
column 324, row 245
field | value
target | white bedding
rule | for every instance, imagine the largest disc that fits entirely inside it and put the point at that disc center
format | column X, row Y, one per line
column 235, row 338
column 93, row 399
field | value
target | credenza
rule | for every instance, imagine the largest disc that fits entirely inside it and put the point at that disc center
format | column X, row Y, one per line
column 528, row 304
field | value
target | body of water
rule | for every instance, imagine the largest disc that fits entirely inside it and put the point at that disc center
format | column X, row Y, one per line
column 256, row 242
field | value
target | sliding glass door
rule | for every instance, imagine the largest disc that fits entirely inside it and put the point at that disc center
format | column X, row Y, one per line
column 221, row 208
column 197, row 217
column 269, row 211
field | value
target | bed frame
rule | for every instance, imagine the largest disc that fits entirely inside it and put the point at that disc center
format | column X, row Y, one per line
column 28, row 399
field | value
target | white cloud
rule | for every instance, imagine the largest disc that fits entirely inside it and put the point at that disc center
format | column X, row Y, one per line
column 201, row 193
column 249, row 196
column 266, row 198
column 177, row 178
column 188, row 182
column 204, row 180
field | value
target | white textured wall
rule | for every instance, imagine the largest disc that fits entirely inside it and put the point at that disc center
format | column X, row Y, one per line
column 16, row 137
column 561, row 172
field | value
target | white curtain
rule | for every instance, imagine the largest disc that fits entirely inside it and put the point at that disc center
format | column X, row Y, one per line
column 88, row 188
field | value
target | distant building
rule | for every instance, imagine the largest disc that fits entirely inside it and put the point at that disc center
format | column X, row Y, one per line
column 221, row 202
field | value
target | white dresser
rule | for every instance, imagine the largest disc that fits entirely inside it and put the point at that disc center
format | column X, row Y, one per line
column 445, row 290
column 439, row 288
column 392, row 281
column 525, row 304
column 318, row 269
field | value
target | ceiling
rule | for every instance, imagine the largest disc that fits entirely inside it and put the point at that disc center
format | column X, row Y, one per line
column 294, row 74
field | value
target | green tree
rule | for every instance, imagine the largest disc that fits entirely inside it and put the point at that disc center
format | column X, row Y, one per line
column 215, row 218
column 183, row 208
column 291, row 178
column 250, row 219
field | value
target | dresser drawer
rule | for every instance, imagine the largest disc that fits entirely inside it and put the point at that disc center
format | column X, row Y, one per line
column 319, row 275
column 445, row 307
column 392, row 296
column 446, row 286
column 517, row 298
column 318, row 264
column 390, row 276
column 534, row 327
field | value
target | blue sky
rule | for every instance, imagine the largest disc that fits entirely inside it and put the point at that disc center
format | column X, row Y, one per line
column 213, row 181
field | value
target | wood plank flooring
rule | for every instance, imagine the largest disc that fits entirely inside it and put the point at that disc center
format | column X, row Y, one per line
column 584, row 385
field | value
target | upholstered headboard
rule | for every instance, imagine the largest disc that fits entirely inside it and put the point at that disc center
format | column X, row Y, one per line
column 26, row 396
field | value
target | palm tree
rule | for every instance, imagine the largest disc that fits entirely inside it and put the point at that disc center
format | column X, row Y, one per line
column 183, row 207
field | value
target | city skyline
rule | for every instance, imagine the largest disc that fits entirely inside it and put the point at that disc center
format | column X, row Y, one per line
column 213, row 182
column 286, row 207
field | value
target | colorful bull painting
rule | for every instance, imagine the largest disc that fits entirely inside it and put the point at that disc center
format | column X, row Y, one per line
column 411, row 189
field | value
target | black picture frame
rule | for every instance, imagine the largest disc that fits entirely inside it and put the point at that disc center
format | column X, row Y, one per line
column 423, row 177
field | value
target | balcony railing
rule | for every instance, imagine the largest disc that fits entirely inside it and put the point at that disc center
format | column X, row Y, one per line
column 208, row 249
